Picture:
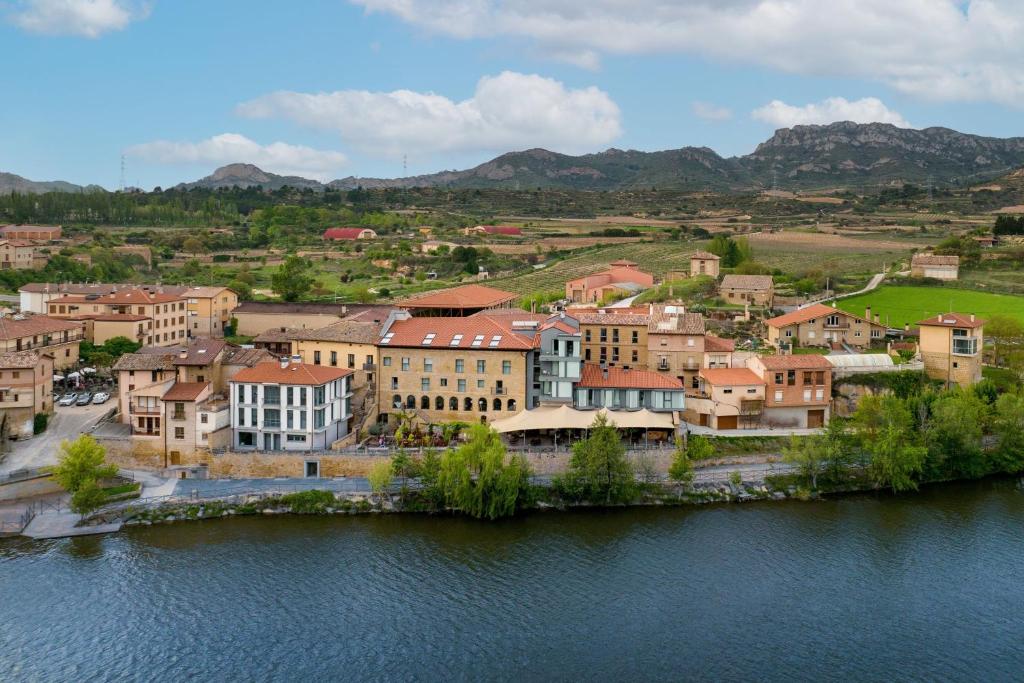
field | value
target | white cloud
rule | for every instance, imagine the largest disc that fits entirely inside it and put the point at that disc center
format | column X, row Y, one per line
column 507, row 111
column 277, row 157
column 936, row 49
column 89, row 18
column 865, row 110
column 711, row 112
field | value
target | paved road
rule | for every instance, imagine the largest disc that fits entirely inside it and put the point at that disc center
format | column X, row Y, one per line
column 206, row 488
column 873, row 283
column 67, row 423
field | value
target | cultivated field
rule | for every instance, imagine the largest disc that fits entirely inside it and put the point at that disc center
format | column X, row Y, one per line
column 907, row 305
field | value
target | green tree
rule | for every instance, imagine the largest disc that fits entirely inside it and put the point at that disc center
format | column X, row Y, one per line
column 954, row 434
column 480, row 480
column 192, row 246
column 380, row 478
column 292, row 281
column 80, row 461
column 598, row 470
column 87, row 498
column 1008, row 426
column 808, row 455
column 884, row 428
column 1006, row 334
column 681, row 469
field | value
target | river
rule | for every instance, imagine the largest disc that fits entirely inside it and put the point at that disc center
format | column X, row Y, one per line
column 869, row 587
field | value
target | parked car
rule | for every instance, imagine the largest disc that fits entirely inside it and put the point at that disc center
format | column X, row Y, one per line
column 68, row 399
column 84, row 399
column 100, row 397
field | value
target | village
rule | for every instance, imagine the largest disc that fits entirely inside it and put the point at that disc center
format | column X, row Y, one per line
column 217, row 387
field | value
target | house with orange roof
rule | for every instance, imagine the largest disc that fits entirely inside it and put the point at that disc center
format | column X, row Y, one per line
column 153, row 318
column 728, row 398
column 20, row 255
column 798, row 389
column 26, row 390
column 343, row 234
column 289, row 405
column 822, row 325
column 58, row 338
column 628, row 389
column 622, row 278
column 951, row 346
column 458, row 301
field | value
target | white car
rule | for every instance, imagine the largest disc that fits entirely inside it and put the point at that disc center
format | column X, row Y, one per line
column 101, row 397
column 68, row 399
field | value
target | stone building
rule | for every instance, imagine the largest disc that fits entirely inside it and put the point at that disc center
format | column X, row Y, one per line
column 798, row 389
column 821, row 325
column 705, row 263
column 752, row 290
column 951, row 347
column 153, row 318
column 58, row 338
column 26, row 390
column 613, row 338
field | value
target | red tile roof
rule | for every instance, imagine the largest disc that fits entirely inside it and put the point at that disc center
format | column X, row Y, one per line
column 343, row 233
column 952, row 320
column 293, row 373
column 715, row 344
column 185, row 391
column 798, row 361
column 730, row 376
column 813, row 311
column 489, row 333
column 466, row 296
column 501, row 230
column 30, row 325
column 117, row 317
column 124, row 296
column 593, row 376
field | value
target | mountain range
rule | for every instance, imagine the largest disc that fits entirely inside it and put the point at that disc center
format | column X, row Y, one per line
column 842, row 154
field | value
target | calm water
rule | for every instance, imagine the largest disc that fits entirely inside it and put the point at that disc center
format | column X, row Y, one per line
column 926, row 587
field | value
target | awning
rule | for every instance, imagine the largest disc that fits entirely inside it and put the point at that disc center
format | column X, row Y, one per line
column 73, row 375
column 88, row 371
column 57, row 378
column 564, row 417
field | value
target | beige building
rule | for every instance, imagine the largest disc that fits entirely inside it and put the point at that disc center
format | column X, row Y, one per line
column 20, row 255
column 935, row 266
column 675, row 344
column 209, row 310
column 704, row 263
column 156, row 318
column 752, row 290
column 951, row 346
column 613, row 338
column 472, row 369
column 255, row 317
column 622, row 278
column 58, row 338
column 821, row 325
column 799, row 389
column 345, row 344
column 728, row 398
column 26, row 389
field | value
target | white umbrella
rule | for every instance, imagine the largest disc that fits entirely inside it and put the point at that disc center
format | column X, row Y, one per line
column 88, row 371
column 73, row 375
column 57, row 378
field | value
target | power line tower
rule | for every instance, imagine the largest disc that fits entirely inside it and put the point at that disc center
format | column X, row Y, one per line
column 122, row 173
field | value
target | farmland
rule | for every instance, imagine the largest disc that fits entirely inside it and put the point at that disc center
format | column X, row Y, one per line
column 907, row 305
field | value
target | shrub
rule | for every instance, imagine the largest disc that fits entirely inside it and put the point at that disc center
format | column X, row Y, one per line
column 39, row 423
column 309, row 502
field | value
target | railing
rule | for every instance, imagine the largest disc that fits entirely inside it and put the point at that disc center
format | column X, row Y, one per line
column 369, row 367
column 178, row 416
column 143, row 410
column 499, row 391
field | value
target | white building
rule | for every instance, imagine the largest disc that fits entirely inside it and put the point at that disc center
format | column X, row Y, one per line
column 290, row 406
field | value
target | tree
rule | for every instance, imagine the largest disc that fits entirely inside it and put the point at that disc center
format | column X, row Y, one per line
column 1008, row 425
column 681, row 469
column 80, row 461
column 380, row 478
column 954, row 434
column 291, row 280
column 87, row 498
column 1006, row 334
column 479, row 479
column 884, row 428
column 598, row 469
column 808, row 454
column 192, row 245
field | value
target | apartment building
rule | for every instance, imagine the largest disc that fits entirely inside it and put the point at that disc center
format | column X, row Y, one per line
column 20, row 255
column 951, row 347
column 346, row 344
column 622, row 277
column 255, row 317
column 627, row 389
column 798, row 389
column 615, row 339
column 57, row 338
column 152, row 318
column 26, row 389
column 290, row 406
column 675, row 344
column 559, row 361
column 821, row 325
column 443, row 369
column 748, row 290
column 727, row 398
column 209, row 310
column 705, row 263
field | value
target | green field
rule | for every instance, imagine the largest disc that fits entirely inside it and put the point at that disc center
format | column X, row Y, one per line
column 901, row 305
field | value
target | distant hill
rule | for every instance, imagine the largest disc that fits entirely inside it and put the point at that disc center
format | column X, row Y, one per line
column 247, row 175
column 15, row 183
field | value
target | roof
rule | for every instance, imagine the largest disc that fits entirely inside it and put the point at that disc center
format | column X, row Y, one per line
column 344, row 233
column 369, row 314
column 952, row 320
column 12, row 327
column 934, row 260
column 596, row 377
column 623, row 263
column 726, row 376
column 847, row 361
column 121, row 296
column 713, row 344
column 802, row 315
column 798, row 361
column 348, row 331
column 185, row 391
column 483, row 333
column 19, row 359
column 622, row 319
column 466, row 296
column 293, row 373
column 755, row 282
column 501, row 229
column 95, row 288
column 145, row 361
column 117, row 318
column 236, row 355
column 705, row 255
column 204, row 292
column 281, row 308
column 276, row 334
column 668, row 321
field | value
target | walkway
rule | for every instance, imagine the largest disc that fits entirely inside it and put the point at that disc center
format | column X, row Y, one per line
column 53, row 524
column 873, row 283
column 624, row 303
column 212, row 488
column 739, row 433
column 67, row 423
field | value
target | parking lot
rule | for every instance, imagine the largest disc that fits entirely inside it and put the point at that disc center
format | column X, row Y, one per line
column 67, row 423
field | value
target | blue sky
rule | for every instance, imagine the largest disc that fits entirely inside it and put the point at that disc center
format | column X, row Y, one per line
column 331, row 88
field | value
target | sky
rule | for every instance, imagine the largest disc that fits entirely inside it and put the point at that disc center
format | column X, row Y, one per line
column 382, row 88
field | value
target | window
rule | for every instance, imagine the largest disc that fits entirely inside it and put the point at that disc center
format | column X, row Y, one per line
column 481, row 366
column 586, row 335
column 511, row 404
column 467, row 404
column 289, row 419
column 832, row 321
column 778, row 378
column 789, row 333
column 296, row 438
column 179, row 411
column 807, row 394
column 334, row 358
column 481, row 384
column 204, row 418
column 319, row 395
column 482, row 404
column 456, row 340
column 428, row 365
column 351, row 359
column 271, row 418
column 778, row 396
column 586, row 354
column 386, row 361
column 453, row 403
column 302, row 419
column 425, row 383
column 439, row 403
column 396, row 401
column 462, row 385
column 819, row 394
column 506, row 367
column 604, row 334
column 497, row 404
column 179, row 432
column 636, row 337
column 727, row 391
column 316, row 358
column 405, row 364
column 271, row 395
column 318, row 419
column 290, row 396
column 410, row 402
column 241, row 417
column 460, row 365
column 635, row 356
column 394, row 383
column 791, row 377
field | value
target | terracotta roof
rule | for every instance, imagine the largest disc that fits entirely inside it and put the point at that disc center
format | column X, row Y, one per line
column 204, row 292
column 185, row 391
column 369, row 314
column 952, row 320
column 593, row 376
column 95, row 288
column 117, row 317
column 344, row 233
column 279, row 308
column 294, row 373
column 145, row 361
column 276, row 334
column 121, row 296
column 663, row 321
column 812, row 312
column 614, row 319
column 19, row 359
column 796, row 361
column 730, row 376
column 754, row 282
column 501, row 229
column 347, row 331
column 466, row 296
column 934, row 260
column 236, row 355
column 715, row 344
column 472, row 332
column 199, row 351
column 31, row 325
column 705, row 255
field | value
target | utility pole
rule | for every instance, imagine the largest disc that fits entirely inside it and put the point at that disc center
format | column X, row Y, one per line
column 122, row 173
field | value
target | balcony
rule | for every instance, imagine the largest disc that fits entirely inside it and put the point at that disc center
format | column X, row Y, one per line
column 664, row 365
column 554, row 357
column 499, row 391
column 836, row 326
column 271, row 424
column 370, row 367
column 965, row 347
column 143, row 410
column 178, row 416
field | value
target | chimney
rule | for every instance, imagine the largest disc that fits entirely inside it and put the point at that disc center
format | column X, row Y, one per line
column 867, row 314
column 906, row 327
column 284, row 362
column 972, row 317
column 183, row 354
column 878, row 318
